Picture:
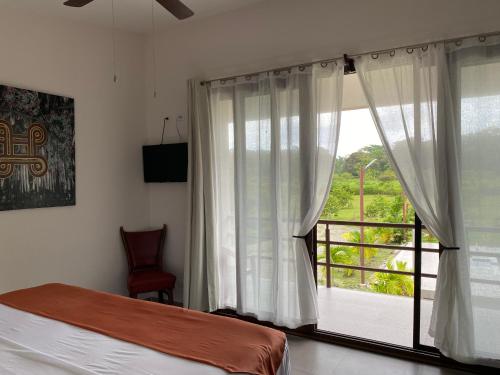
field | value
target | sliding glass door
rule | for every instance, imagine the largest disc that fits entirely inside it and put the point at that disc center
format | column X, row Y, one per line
column 375, row 264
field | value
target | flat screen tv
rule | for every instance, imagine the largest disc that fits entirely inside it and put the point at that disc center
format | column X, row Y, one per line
column 165, row 163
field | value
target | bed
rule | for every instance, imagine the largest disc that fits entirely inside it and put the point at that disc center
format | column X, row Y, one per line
column 31, row 342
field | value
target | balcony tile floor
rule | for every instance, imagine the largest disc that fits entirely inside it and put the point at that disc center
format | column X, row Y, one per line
column 375, row 316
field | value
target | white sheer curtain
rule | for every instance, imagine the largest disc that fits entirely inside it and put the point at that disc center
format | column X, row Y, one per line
column 275, row 140
column 403, row 89
column 474, row 68
column 437, row 111
column 199, row 255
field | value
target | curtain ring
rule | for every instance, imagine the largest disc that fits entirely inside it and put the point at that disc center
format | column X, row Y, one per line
column 323, row 64
column 248, row 77
column 425, row 48
column 458, row 43
column 409, row 50
column 482, row 38
column 302, row 68
column 392, row 53
column 374, row 56
column 222, row 81
column 276, row 72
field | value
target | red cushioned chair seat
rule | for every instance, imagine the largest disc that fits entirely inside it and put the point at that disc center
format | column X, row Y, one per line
column 145, row 263
column 149, row 280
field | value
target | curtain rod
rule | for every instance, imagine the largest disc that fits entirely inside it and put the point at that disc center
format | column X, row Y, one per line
column 482, row 37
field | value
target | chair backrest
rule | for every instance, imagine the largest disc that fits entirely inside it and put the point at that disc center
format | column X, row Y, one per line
column 144, row 249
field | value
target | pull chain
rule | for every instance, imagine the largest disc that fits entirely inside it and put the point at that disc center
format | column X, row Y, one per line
column 153, row 28
column 115, row 75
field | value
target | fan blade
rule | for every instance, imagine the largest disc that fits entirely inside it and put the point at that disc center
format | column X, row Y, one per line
column 177, row 8
column 77, row 3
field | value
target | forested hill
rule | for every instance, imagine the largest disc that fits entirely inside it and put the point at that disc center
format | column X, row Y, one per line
column 352, row 163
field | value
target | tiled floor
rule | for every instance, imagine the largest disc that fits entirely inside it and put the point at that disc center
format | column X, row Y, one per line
column 376, row 316
column 309, row 357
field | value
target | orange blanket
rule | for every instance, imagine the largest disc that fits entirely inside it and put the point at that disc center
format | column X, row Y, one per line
column 230, row 344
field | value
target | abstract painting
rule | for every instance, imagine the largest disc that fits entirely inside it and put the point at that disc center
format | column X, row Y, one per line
column 37, row 149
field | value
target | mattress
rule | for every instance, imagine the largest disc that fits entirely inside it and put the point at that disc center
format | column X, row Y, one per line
column 31, row 344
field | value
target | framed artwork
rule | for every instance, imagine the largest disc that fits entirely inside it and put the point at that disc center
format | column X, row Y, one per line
column 37, row 149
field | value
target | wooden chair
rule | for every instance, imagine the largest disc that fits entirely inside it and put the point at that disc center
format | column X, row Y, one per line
column 145, row 256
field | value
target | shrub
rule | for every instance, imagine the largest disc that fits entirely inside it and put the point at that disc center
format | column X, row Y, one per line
column 340, row 198
column 343, row 255
column 355, row 236
column 378, row 208
column 340, row 255
column 394, row 214
column 389, row 283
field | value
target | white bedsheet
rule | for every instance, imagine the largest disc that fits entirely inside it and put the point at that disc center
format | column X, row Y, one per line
column 31, row 344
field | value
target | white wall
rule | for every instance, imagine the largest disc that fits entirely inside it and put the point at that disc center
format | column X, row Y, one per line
column 81, row 244
column 278, row 33
column 78, row 244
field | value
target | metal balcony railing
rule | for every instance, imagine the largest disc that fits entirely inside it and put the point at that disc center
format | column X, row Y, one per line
column 328, row 242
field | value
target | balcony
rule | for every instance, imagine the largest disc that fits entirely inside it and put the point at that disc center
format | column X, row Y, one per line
column 349, row 301
column 374, row 316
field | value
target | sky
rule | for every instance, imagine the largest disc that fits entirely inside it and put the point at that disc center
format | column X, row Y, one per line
column 356, row 131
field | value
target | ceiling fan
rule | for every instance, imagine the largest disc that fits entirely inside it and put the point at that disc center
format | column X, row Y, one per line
column 176, row 7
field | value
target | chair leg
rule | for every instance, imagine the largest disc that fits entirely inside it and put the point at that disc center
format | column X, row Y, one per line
column 170, row 294
column 133, row 295
column 160, row 296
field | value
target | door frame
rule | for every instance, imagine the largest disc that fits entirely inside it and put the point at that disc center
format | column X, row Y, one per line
column 417, row 346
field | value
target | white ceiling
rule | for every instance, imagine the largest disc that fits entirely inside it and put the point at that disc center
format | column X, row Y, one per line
column 131, row 15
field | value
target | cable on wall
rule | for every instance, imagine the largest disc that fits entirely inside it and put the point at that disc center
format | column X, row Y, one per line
column 176, row 127
column 163, row 131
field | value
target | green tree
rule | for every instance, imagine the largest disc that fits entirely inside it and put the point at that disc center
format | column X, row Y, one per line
column 369, row 237
column 341, row 255
column 339, row 165
column 387, row 175
column 356, row 160
column 391, row 211
column 340, row 198
column 390, row 283
column 378, row 208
